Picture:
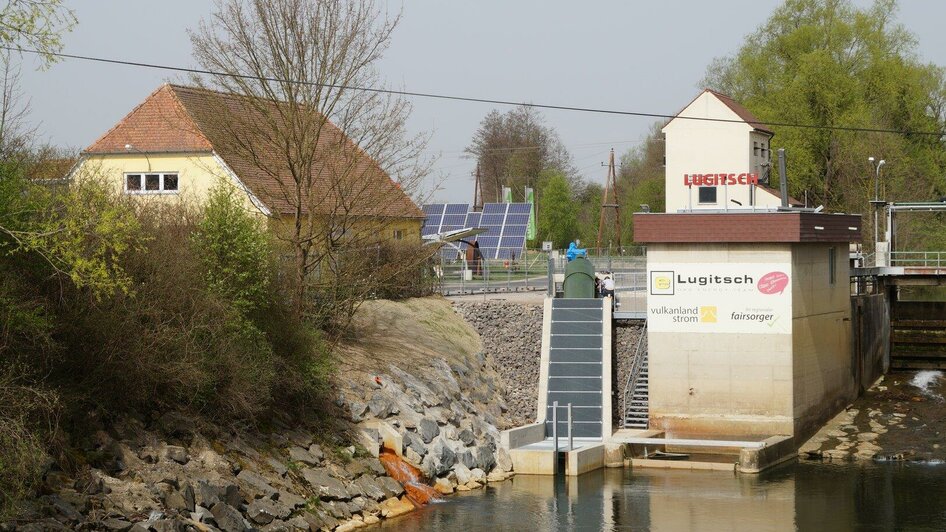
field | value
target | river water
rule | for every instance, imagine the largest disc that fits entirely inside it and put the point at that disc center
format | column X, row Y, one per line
column 800, row 496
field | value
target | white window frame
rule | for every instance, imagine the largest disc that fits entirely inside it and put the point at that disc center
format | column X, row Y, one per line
column 142, row 178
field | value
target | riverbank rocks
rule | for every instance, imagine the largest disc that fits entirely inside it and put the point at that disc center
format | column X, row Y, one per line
column 169, row 472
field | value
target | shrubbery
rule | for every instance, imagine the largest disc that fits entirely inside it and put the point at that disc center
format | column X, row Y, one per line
column 112, row 307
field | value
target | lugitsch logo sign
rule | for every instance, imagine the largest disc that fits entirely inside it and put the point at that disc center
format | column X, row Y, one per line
column 661, row 283
column 741, row 298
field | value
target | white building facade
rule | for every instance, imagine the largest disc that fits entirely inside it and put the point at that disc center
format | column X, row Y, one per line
column 716, row 154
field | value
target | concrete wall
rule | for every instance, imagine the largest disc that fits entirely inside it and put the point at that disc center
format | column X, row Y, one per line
column 823, row 367
column 697, row 146
column 870, row 323
column 721, row 384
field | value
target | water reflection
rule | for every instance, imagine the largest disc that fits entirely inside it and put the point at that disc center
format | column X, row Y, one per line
column 804, row 496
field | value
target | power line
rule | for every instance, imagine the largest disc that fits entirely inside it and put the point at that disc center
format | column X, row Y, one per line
column 436, row 96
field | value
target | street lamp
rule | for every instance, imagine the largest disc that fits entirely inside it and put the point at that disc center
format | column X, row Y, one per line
column 876, row 201
column 129, row 147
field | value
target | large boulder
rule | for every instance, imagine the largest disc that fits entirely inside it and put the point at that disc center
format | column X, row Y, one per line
column 440, row 458
column 484, row 458
column 328, row 487
column 298, row 454
column 264, row 511
column 428, row 429
column 228, row 518
column 255, row 485
column 414, row 441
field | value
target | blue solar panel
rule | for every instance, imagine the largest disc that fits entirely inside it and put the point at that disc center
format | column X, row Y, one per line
column 520, row 208
column 434, row 208
column 488, row 241
column 457, row 208
column 494, row 208
column 454, row 219
column 513, row 242
column 515, row 230
column 493, row 230
column 473, row 219
column 491, row 219
column 517, row 219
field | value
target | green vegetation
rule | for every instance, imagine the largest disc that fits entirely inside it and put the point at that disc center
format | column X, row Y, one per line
column 558, row 212
column 111, row 307
column 832, row 63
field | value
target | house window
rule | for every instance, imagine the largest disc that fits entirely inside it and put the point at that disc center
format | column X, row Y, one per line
column 832, row 265
column 151, row 183
column 755, row 149
column 707, row 194
column 398, row 234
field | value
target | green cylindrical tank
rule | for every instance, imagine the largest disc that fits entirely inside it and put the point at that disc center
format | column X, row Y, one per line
column 579, row 279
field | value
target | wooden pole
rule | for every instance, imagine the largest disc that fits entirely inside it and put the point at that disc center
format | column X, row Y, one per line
column 610, row 189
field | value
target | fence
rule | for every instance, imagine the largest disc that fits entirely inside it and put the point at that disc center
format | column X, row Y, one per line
column 531, row 273
column 527, row 273
column 921, row 259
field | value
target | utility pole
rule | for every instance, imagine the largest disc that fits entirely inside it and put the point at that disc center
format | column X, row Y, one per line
column 477, row 192
column 610, row 193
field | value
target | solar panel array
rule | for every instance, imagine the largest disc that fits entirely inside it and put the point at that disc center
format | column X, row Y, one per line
column 505, row 224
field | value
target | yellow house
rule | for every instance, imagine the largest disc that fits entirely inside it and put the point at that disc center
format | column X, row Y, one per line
column 180, row 142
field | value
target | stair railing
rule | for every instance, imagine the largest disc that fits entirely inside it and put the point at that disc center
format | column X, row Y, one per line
column 634, row 374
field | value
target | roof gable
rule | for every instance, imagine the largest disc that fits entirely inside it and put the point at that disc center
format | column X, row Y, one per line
column 741, row 113
column 157, row 125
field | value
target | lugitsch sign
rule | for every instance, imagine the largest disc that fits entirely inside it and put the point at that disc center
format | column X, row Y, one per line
column 753, row 298
column 715, row 180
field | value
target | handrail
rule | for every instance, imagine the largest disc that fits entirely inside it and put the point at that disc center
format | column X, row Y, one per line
column 633, row 375
column 918, row 258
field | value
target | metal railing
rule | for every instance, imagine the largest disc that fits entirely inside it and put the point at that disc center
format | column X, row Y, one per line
column 922, row 259
column 536, row 270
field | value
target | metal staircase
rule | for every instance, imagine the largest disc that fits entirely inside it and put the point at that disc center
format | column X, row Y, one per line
column 636, row 412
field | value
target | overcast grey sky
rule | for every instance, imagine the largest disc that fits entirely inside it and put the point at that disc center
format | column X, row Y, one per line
column 645, row 56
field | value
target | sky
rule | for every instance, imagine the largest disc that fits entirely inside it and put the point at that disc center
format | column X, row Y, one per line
column 641, row 56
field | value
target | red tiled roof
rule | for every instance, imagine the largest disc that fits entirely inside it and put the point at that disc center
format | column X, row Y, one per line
column 189, row 119
column 158, row 124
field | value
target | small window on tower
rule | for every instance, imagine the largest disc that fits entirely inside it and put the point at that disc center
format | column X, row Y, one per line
column 755, row 149
column 707, row 194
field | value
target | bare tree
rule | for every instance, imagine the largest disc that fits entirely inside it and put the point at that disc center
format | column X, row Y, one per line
column 512, row 149
column 16, row 134
column 291, row 112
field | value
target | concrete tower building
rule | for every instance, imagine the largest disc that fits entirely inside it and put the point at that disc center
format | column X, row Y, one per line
column 717, row 154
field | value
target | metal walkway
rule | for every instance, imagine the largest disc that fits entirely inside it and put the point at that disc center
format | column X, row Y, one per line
column 576, row 366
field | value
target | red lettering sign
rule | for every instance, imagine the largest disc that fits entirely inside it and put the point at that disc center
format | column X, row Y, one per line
column 714, row 180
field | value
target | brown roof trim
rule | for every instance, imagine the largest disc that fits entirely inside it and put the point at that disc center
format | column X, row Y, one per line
column 735, row 107
column 758, row 227
column 743, row 113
